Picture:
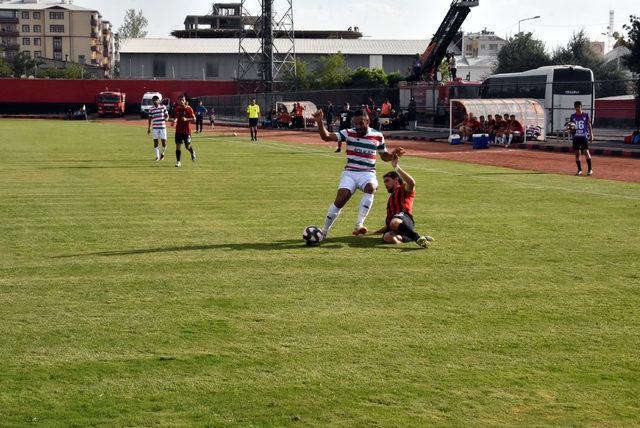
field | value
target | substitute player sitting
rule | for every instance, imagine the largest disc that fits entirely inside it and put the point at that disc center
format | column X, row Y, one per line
column 399, row 222
column 158, row 115
column 363, row 143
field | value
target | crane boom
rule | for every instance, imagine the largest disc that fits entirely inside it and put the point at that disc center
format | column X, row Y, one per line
column 432, row 57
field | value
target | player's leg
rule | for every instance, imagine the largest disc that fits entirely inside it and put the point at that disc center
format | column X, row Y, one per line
column 403, row 225
column 345, row 189
column 156, row 150
column 392, row 238
column 189, row 147
column 587, row 155
column 164, row 147
column 576, row 152
column 365, row 205
column 178, row 149
column 255, row 130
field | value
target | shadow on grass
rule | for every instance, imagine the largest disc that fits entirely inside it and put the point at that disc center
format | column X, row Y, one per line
column 506, row 173
column 289, row 244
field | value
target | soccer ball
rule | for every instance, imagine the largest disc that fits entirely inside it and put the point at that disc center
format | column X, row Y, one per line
column 571, row 127
column 235, row 134
column 312, row 235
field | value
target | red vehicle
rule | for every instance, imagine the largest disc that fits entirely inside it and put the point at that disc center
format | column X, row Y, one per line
column 111, row 104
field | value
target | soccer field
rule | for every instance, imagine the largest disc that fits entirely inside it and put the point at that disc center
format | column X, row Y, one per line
column 134, row 293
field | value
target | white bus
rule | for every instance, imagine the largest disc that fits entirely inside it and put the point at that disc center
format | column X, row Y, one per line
column 556, row 87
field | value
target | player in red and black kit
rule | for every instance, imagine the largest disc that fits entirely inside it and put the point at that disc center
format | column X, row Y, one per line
column 399, row 222
column 183, row 117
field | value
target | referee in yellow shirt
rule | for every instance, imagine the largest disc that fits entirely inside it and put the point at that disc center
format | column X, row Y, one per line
column 253, row 113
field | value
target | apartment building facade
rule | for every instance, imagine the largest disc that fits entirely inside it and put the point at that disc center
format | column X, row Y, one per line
column 59, row 31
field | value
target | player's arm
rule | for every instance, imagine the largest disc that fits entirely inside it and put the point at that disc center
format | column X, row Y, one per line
column 388, row 156
column 192, row 117
column 324, row 134
column 149, row 126
column 409, row 182
column 590, row 129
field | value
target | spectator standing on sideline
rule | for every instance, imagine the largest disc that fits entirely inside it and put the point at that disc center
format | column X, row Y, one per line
column 451, row 59
column 201, row 111
column 386, row 108
column 412, row 114
column 345, row 122
column 329, row 116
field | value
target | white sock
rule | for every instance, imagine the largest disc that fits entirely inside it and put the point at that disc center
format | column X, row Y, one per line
column 332, row 215
column 156, row 151
column 365, row 206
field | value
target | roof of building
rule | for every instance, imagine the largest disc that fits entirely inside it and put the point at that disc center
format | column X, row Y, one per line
column 303, row 46
column 39, row 5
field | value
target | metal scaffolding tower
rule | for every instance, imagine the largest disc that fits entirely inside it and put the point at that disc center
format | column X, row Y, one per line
column 266, row 53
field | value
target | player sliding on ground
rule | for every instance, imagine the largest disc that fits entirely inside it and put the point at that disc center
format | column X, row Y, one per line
column 360, row 172
column 399, row 222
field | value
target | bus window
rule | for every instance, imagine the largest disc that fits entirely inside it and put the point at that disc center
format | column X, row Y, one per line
column 532, row 86
column 569, row 81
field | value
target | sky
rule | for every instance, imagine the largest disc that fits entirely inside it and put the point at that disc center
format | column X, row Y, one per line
column 409, row 19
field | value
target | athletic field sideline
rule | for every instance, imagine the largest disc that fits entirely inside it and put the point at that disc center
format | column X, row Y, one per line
column 137, row 293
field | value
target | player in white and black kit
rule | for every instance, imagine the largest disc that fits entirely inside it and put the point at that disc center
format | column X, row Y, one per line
column 582, row 136
column 158, row 115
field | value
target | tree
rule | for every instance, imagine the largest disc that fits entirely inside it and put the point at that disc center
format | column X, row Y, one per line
column 632, row 61
column 5, row 69
column 394, row 78
column 133, row 25
column 331, row 72
column 522, row 52
column 444, row 70
column 579, row 51
column 363, row 77
column 23, row 64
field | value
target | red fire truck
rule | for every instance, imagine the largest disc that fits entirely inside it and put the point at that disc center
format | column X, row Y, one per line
column 111, row 103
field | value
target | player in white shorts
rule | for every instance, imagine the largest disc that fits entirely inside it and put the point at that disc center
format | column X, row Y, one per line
column 363, row 145
column 158, row 115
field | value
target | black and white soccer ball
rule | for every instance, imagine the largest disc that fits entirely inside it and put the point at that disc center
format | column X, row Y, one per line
column 571, row 127
column 312, row 235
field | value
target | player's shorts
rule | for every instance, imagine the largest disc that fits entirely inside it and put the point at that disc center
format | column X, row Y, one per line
column 183, row 139
column 353, row 180
column 159, row 134
column 253, row 122
column 580, row 143
column 408, row 220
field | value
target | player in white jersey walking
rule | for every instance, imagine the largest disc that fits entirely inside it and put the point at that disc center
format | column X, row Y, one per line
column 363, row 143
column 158, row 115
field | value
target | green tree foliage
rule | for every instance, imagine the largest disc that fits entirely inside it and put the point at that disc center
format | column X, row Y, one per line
column 444, row 70
column 632, row 61
column 331, row 72
column 363, row 77
column 133, row 26
column 23, row 64
column 521, row 52
column 394, row 78
column 579, row 51
column 5, row 69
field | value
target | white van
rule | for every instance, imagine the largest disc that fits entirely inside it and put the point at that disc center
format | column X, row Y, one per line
column 147, row 102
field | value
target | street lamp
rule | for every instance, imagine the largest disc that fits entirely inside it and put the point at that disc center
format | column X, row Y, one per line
column 526, row 19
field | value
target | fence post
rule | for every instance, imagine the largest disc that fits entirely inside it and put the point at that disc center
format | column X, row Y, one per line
column 638, row 104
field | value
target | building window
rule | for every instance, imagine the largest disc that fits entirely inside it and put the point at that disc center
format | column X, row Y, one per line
column 56, row 28
column 36, row 15
column 57, row 55
column 26, row 41
column 57, row 43
column 27, row 53
column 493, row 47
column 8, row 14
column 37, row 54
column 212, row 69
column 26, row 29
column 483, row 47
column 37, row 29
column 82, row 59
column 159, row 68
column 56, row 15
column 25, row 15
column 36, row 41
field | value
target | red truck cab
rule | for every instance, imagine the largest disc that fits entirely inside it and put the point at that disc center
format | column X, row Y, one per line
column 111, row 103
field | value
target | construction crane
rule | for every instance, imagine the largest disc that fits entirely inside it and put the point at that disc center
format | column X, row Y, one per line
column 432, row 57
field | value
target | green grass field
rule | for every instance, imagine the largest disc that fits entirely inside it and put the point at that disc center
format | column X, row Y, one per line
column 133, row 293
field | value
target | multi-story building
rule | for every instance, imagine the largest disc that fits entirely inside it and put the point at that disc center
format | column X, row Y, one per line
column 59, row 31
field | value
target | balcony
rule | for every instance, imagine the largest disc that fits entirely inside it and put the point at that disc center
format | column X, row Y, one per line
column 8, row 33
column 10, row 46
column 5, row 20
